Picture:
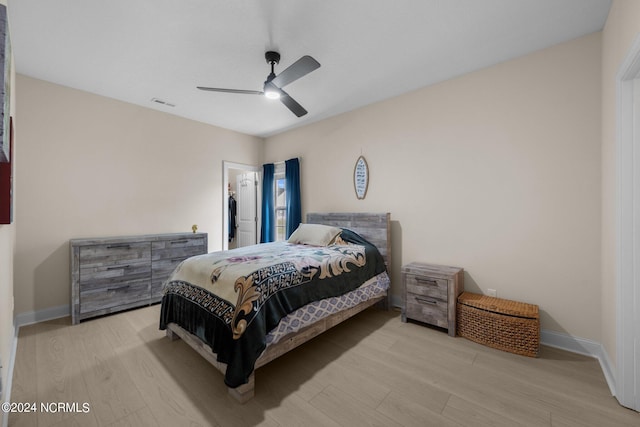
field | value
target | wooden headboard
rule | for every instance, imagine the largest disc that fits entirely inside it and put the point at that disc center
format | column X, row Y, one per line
column 375, row 227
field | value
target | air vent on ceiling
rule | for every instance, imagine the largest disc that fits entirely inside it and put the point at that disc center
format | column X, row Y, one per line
column 160, row 101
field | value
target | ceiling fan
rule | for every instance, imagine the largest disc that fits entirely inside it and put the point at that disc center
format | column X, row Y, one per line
column 273, row 85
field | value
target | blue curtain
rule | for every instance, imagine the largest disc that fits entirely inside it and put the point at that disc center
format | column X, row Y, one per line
column 267, row 232
column 292, row 191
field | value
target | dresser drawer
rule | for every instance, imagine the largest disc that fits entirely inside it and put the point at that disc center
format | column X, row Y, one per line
column 114, row 295
column 162, row 269
column 100, row 277
column 427, row 286
column 167, row 254
column 178, row 249
column 114, row 254
column 426, row 309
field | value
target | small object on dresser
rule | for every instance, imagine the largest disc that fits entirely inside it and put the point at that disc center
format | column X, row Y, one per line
column 499, row 323
column 430, row 294
column 194, row 228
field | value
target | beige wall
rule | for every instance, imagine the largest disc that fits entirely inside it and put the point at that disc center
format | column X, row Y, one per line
column 93, row 166
column 622, row 27
column 497, row 171
column 7, row 249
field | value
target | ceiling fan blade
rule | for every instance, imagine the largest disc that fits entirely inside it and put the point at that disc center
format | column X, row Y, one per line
column 217, row 89
column 301, row 67
column 291, row 104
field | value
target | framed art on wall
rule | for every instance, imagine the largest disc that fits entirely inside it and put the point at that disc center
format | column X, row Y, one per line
column 6, row 183
column 361, row 177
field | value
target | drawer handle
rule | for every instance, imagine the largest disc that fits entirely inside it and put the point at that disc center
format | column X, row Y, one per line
column 119, row 267
column 177, row 260
column 427, row 281
column 175, row 242
column 123, row 246
column 119, row 288
column 426, row 301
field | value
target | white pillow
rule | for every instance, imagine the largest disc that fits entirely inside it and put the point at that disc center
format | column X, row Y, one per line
column 314, row 234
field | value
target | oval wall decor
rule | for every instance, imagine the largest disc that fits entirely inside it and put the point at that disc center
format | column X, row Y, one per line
column 361, row 177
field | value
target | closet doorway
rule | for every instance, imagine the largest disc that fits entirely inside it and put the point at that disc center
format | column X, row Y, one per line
column 242, row 192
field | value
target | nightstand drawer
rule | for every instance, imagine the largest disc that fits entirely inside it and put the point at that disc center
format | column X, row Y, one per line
column 428, row 286
column 427, row 310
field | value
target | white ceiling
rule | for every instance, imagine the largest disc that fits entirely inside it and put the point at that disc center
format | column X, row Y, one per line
column 136, row 50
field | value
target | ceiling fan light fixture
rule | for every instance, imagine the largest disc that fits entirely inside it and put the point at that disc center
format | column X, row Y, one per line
column 273, row 84
column 271, row 93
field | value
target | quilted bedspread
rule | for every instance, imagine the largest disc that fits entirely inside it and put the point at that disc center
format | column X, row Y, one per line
column 232, row 299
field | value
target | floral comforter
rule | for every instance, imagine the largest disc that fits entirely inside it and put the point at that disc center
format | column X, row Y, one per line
column 232, row 299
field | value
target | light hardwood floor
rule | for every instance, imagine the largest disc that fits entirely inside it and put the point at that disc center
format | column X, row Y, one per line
column 372, row 370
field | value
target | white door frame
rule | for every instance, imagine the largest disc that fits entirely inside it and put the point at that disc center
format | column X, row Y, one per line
column 225, row 197
column 628, row 232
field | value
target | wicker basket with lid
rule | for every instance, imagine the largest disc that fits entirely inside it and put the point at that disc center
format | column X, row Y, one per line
column 499, row 323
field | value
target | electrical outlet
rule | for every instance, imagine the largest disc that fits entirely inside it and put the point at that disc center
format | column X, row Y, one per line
column 492, row 292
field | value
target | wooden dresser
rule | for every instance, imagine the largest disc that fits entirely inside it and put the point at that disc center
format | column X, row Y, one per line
column 117, row 273
column 430, row 293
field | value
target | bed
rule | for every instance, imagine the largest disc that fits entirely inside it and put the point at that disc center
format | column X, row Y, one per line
column 243, row 308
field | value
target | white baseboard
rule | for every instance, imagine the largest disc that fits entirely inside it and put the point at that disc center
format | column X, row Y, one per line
column 582, row 346
column 24, row 319
column 51, row 313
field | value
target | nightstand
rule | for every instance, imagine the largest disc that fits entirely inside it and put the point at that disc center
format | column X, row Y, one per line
column 430, row 293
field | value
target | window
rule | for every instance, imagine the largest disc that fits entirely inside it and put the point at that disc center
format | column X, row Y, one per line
column 281, row 208
column 280, row 203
